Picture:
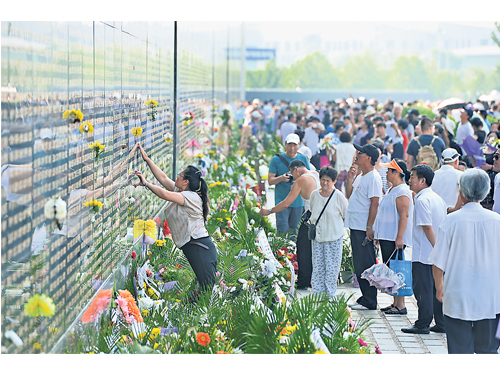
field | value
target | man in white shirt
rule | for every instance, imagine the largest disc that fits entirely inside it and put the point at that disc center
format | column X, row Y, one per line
column 468, row 252
column 465, row 128
column 445, row 182
column 311, row 139
column 288, row 127
column 428, row 213
column 363, row 189
column 496, row 186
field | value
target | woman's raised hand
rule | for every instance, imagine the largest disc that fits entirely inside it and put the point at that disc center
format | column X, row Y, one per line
column 143, row 153
column 142, row 180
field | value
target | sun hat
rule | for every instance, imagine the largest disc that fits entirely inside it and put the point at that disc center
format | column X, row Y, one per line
column 393, row 165
column 369, row 111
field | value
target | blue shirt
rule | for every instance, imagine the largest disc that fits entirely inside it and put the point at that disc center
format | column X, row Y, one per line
column 283, row 188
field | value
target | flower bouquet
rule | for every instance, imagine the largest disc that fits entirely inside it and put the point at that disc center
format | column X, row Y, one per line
column 56, row 209
column 152, row 105
column 327, row 143
column 94, row 206
column 144, row 233
column 97, row 149
column 187, row 117
column 73, row 115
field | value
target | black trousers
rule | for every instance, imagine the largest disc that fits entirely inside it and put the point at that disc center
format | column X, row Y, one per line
column 387, row 249
column 363, row 257
column 424, row 291
column 469, row 337
column 304, row 254
column 202, row 256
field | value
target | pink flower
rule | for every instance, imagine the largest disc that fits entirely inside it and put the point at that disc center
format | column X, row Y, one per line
column 134, row 255
column 361, row 342
column 351, row 323
column 377, row 350
column 123, row 307
column 193, row 143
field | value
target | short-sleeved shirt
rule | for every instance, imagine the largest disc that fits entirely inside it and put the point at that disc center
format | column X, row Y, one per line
column 445, row 184
column 467, row 250
column 287, row 128
column 364, row 188
column 387, row 222
column 186, row 221
column 283, row 188
column 425, row 140
column 429, row 209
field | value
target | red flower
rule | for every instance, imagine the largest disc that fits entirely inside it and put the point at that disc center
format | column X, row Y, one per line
column 377, row 350
column 361, row 342
column 203, row 338
column 166, row 229
column 178, row 265
column 134, row 255
column 284, row 248
column 280, row 253
column 149, row 273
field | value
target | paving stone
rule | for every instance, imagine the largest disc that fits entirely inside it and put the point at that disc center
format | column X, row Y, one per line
column 437, row 349
column 414, row 351
column 411, row 344
column 390, row 352
column 382, row 336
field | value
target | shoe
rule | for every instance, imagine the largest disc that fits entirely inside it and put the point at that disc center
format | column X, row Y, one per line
column 357, row 306
column 398, row 311
column 437, row 329
column 386, row 308
column 302, row 288
column 415, row 330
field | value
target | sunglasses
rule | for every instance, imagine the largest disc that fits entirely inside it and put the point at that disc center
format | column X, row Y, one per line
column 496, row 156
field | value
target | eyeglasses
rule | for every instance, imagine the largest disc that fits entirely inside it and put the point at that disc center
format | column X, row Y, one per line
column 496, row 156
column 180, row 175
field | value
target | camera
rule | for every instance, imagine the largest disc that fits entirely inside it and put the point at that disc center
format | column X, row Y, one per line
column 289, row 176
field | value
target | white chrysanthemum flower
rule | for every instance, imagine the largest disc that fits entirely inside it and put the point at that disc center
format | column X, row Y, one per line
column 55, row 209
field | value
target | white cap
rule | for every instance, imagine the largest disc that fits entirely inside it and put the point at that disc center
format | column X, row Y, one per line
column 449, row 155
column 292, row 138
column 256, row 101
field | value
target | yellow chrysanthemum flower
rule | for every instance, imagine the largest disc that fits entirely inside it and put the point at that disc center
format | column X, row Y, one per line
column 79, row 115
column 37, row 346
column 319, row 352
column 86, row 127
column 136, row 131
column 39, row 305
column 215, row 166
column 66, row 114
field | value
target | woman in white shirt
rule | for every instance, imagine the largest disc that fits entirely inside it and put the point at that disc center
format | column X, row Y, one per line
column 327, row 247
column 186, row 213
column 392, row 228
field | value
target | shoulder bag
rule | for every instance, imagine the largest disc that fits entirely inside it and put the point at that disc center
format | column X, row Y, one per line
column 311, row 232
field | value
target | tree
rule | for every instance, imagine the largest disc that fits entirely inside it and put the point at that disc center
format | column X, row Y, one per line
column 270, row 77
column 362, row 72
column 314, row 71
column 408, row 73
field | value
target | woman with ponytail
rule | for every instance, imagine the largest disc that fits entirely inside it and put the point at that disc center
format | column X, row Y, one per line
column 393, row 224
column 186, row 213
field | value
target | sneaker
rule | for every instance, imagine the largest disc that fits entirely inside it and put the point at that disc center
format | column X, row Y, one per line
column 357, row 306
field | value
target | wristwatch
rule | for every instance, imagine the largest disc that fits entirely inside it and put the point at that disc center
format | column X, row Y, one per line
column 271, row 210
column 367, row 227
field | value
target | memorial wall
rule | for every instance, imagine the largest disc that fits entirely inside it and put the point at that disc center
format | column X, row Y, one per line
column 74, row 96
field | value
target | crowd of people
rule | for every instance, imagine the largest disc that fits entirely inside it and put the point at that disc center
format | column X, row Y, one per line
column 395, row 182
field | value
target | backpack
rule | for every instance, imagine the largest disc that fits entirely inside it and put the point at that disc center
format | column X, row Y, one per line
column 426, row 155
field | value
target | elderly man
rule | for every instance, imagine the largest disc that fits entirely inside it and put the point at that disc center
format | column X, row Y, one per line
column 363, row 191
column 279, row 170
column 445, row 183
column 306, row 182
column 468, row 252
column 428, row 213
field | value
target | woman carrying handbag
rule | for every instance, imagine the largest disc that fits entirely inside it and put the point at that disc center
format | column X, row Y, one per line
column 328, row 209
